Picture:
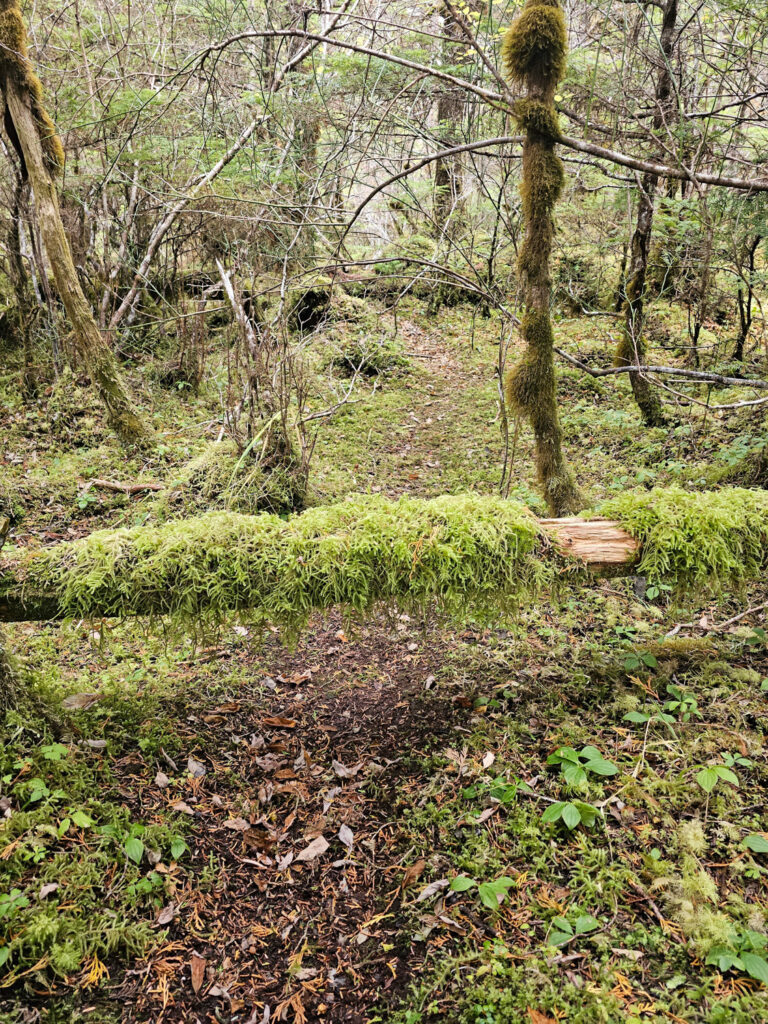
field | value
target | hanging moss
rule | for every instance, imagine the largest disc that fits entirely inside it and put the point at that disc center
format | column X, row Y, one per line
column 537, row 116
column 15, row 63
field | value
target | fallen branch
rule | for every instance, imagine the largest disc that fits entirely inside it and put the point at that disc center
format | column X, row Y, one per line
column 676, row 371
column 114, row 485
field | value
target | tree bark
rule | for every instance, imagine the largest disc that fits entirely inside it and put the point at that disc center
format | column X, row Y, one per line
column 91, row 347
column 632, row 348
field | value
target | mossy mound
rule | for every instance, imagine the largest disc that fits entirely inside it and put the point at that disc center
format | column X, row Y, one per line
column 73, row 411
column 463, row 552
column 222, row 479
column 369, row 356
column 751, row 471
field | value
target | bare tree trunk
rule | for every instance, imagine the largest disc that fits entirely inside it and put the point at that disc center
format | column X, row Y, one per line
column 33, row 134
column 631, row 349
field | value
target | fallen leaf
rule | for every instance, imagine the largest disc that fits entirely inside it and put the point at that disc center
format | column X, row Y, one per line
column 197, row 967
column 47, row 889
column 277, row 722
column 315, row 849
column 346, row 773
column 180, row 805
column 195, row 768
column 166, row 915
column 537, row 1017
column 488, row 759
column 413, row 872
column 237, row 824
column 162, row 780
column 346, row 836
column 80, row 701
column 432, row 889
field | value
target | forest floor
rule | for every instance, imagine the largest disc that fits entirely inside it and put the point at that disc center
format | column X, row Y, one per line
column 232, row 830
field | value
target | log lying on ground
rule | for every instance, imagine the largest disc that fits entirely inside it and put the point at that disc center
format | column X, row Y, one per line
column 465, row 553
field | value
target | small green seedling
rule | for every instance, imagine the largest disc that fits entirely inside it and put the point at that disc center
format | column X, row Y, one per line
column 562, row 930
column 680, row 707
column 744, row 953
column 638, row 660
column 491, row 893
column 575, row 765
column 653, row 591
column 571, row 812
column 709, row 776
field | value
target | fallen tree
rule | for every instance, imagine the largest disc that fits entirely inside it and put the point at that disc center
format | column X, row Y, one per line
column 461, row 552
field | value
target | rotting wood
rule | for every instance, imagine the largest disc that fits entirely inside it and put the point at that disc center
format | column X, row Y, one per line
column 600, row 544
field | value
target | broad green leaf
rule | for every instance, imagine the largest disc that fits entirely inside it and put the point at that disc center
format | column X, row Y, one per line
column 707, row 779
column 134, row 849
column 562, row 924
column 81, row 819
column 489, row 896
column 461, row 883
column 586, row 923
column 601, row 767
column 553, row 812
column 650, row 661
column 178, row 847
column 636, row 716
column 727, row 775
column 573, row 774
column 63, row 827
column 558, row 938
column 756, row 966
column 587, row 811
column 5, row 952
column 571, row 815
column 590, row 754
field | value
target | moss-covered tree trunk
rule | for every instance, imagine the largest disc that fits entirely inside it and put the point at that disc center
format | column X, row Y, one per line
column 534, row 51
column 33, row 134
column 9, row 684
column 631, row 350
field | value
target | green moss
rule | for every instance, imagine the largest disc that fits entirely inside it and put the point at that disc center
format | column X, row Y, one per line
column 536, row 116
column 15, row 63
column 463, row 551
column 220, row 478
column 535, row 46
column 703, row 539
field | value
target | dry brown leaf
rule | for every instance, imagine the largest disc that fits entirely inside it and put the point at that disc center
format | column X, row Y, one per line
column 315, row 849
column 237, row 824
column 537, row 1017
column 80, row 701
column 278, row 722
column 197, row 967
column 413, row 873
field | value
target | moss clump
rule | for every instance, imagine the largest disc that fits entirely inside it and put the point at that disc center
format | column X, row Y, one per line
column 222, row 479
column 535, row 46
column 369, row 356
column 536, row 116
column 462, row 551
column 702, row 539
column 750, row 471
column 15, row 64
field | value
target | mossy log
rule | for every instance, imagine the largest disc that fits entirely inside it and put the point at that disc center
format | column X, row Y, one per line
column 462, row 553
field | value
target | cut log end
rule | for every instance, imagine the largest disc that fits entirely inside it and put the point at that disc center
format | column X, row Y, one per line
column 599, row 543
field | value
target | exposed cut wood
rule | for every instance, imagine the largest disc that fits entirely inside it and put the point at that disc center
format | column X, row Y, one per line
column 601, row 543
